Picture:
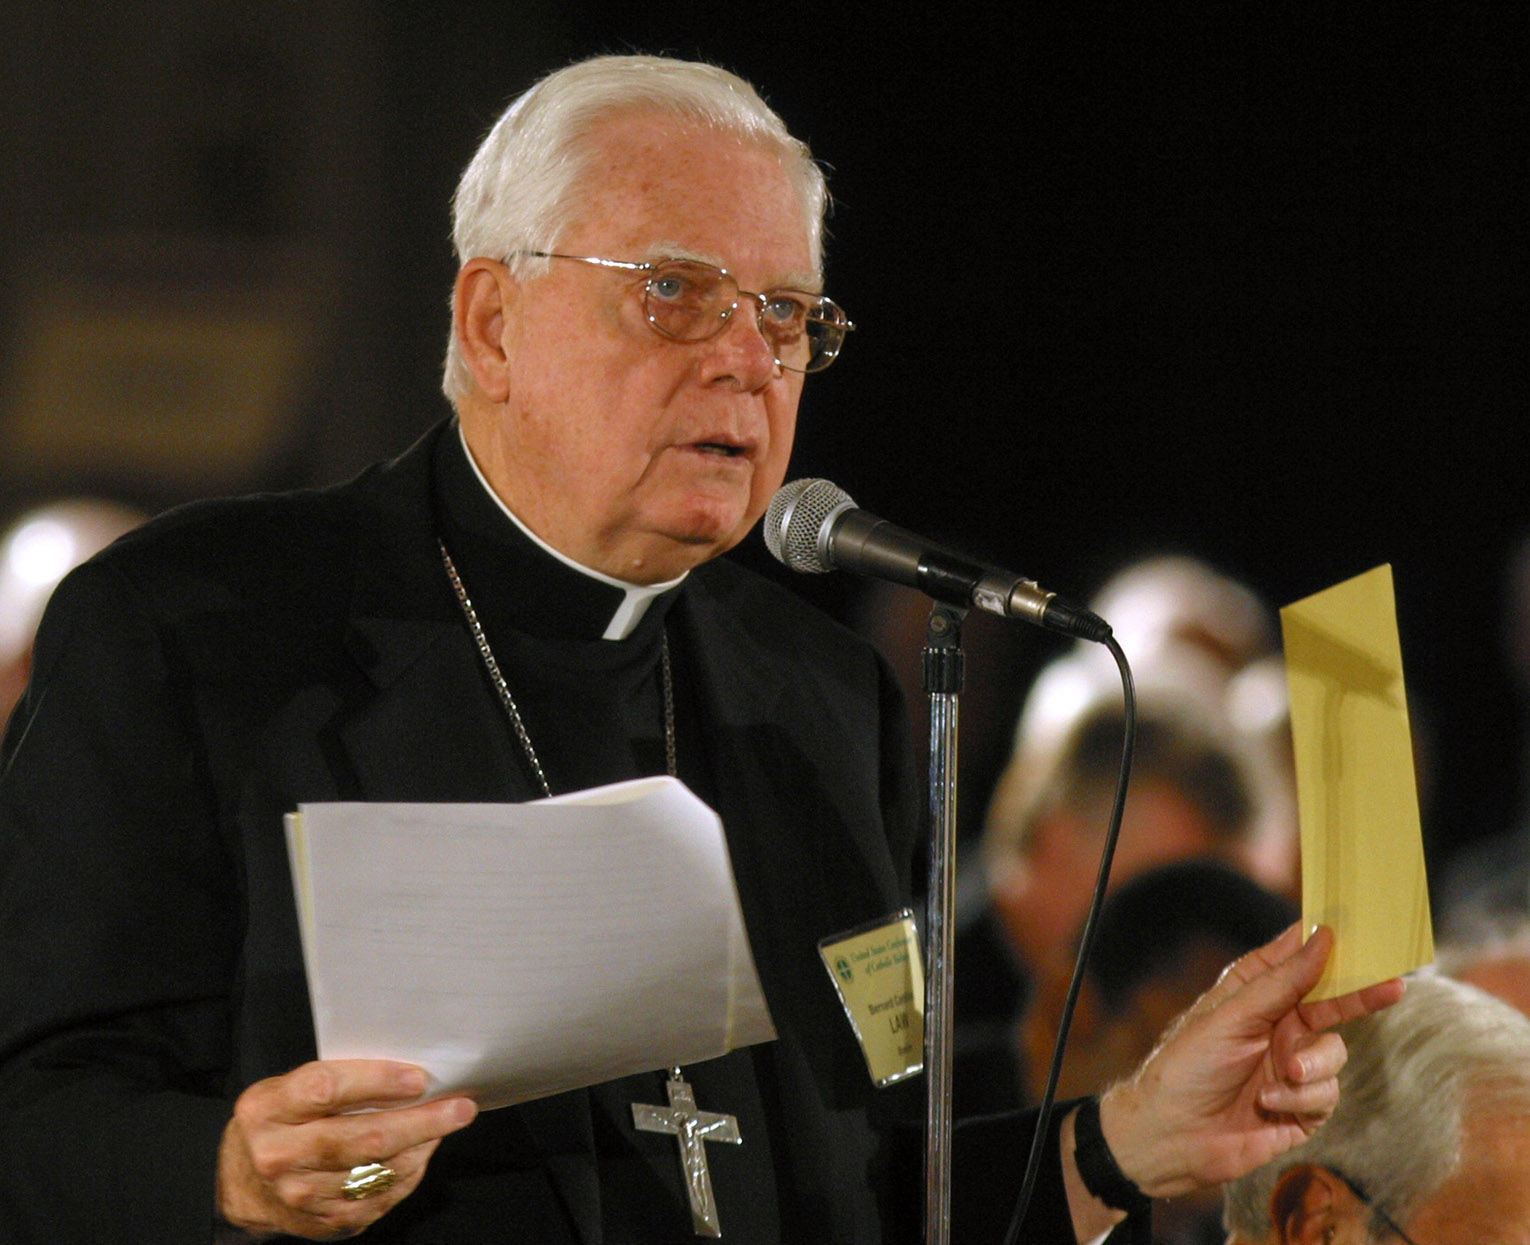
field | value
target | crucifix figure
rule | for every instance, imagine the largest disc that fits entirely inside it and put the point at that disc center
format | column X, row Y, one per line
column 693, row 1129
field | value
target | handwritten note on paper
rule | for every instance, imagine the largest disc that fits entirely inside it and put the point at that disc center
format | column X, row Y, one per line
column 519, row 950
column 1362, row 846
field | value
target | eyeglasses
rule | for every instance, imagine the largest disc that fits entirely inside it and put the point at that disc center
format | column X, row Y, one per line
column 1373, row 1206
column 688, row 301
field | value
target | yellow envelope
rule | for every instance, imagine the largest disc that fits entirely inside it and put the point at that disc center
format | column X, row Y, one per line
column 1362, row 845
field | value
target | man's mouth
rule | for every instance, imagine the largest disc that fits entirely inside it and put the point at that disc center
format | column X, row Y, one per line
column 721, row 448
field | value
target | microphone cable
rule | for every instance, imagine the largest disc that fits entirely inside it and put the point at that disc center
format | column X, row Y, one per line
column 1086, row 942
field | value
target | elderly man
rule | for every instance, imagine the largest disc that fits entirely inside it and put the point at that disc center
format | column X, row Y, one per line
column 1431, row 1140
column 525, row 603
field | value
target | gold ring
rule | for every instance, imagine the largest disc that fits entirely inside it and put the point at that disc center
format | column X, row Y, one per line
column 368, row 1179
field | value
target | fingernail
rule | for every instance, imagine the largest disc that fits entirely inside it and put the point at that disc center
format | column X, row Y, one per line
column 463, row 1112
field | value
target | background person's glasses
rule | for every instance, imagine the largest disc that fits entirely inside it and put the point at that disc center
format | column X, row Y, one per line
column 688, row 301
column 1373, row 1206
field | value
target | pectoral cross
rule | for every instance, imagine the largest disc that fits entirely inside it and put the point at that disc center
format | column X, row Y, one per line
column 693, row 1129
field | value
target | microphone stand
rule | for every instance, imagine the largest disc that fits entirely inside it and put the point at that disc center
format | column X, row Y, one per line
column 942, row 676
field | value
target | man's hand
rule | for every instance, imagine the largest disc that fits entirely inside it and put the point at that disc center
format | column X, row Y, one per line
column 1242, row 1076
column 293, row 1140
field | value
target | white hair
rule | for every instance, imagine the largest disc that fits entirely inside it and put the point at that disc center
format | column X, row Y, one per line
column 1415, row 1069
column 522, row 188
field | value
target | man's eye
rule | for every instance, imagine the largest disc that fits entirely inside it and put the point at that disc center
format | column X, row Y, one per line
column 669, row 286
column 783, row 309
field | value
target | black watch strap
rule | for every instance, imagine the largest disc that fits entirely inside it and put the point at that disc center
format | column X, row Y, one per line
column 1097, row 1165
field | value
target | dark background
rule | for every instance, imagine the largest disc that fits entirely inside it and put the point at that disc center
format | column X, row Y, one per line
column 1242, row 280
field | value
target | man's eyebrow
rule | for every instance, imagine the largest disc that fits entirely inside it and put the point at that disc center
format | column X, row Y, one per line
column 799, row 279
column 807, row 283
column 661, row 251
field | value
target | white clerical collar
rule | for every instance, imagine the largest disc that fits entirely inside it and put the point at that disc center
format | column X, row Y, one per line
column 636, row 598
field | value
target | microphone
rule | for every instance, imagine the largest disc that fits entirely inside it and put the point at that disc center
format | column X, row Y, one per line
column 813, row 526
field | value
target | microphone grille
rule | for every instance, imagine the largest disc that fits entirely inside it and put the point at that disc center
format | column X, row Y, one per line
column 795, row 518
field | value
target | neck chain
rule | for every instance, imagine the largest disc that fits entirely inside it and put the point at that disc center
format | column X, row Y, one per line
column 691, row 1127
column 508, row 701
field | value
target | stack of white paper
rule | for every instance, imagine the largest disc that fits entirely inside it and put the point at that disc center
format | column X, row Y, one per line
column 519, row 950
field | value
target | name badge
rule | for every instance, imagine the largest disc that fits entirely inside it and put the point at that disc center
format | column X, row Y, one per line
column 880, row 978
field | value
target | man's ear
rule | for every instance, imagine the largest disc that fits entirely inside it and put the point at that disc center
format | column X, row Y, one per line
column 484, row 293
column 1310, row 1204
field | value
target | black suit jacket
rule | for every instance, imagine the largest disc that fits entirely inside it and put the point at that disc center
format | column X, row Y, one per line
column 234, row 658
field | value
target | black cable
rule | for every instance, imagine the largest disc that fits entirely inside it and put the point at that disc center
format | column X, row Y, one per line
column 1102, row 881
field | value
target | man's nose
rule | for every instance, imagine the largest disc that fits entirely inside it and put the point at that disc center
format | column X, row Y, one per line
column 742, row 350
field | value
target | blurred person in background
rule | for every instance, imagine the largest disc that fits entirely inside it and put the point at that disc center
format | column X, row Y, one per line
column 37, row 551
column 1211, row 778
column 1491, row 952
column 1189, row 796
column 1162, row 940
column 1430, row 1144
column 1490, row 878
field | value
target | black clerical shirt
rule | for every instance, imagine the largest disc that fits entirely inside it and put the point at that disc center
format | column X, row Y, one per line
column 594, row 710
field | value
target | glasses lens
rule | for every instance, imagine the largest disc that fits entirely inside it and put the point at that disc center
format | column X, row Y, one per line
column 689, row 302
column 783, row 319
column 805, row 330
column 826, row 327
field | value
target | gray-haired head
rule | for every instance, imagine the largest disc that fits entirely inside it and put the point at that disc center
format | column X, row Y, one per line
column 1414, row 1072
column 523, row 187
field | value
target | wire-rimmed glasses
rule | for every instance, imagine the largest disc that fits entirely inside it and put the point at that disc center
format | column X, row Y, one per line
column 690, row 301
column 1374, row 1206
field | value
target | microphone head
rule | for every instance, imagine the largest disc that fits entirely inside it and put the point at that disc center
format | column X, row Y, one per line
column 795, row 523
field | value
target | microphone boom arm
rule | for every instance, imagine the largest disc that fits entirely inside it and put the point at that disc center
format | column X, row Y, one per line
column 854, row 537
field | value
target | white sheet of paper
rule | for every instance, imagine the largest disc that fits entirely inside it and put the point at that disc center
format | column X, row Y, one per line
column 520, row 950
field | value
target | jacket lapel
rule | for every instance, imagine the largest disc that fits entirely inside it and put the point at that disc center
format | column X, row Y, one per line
column 771, row 780
column 430, row 729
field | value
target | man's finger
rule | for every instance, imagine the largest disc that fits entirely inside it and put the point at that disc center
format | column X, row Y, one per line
column 1272, row 979
column 1314, row 1102
column 321, row 1194
column 1257, row 963
column 1302, row 1058
column 333, row 1087
column 1325, row 1013
column 343, row 1142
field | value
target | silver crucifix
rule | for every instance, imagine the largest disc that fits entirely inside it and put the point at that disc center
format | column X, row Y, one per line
column 693, row 1129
